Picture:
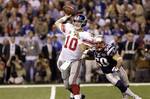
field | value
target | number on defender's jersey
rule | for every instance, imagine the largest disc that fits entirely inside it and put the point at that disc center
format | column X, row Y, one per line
column 102, row 61
column 71, row 43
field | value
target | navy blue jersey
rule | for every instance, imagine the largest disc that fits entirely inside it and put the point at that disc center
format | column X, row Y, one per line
column 104, row 58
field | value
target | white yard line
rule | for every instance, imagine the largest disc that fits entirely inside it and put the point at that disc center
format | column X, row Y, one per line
column 61, row 85
column 53, row 92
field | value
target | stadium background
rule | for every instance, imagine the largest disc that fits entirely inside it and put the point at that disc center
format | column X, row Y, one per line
column 30, row 25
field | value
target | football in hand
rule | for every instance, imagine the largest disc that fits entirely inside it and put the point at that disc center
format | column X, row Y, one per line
column 68, row 9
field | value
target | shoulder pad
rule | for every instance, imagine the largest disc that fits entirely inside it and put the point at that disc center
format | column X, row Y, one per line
column 111, row 50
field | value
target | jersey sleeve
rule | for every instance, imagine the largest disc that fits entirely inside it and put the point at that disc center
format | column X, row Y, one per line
column 65, row 28
column 111, row 50
column 62, row 28
column 87, row 39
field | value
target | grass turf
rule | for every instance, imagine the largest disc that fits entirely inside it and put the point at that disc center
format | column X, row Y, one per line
column 24, row 93
column 105, row 92
column 99, row 92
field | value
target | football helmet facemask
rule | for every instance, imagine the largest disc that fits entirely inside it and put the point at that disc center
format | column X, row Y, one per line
column 79, row 21
column 99, row 42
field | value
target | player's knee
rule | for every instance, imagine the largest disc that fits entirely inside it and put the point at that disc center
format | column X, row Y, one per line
column 121, row 86
column 72, row 80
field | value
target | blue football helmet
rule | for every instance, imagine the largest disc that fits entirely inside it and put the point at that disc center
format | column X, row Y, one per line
column 80, row 18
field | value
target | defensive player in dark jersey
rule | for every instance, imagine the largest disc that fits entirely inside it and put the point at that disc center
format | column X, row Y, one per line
column 109, row 61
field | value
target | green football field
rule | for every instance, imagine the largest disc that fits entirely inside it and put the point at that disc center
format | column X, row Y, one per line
column 91, row 91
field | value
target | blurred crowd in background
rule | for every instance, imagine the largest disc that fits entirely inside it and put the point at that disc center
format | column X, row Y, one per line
column 33, row 57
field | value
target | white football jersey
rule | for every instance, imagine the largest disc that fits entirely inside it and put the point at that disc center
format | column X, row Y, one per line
column 71, row 50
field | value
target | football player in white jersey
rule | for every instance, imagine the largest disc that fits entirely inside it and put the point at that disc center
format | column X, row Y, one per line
column 76, row 41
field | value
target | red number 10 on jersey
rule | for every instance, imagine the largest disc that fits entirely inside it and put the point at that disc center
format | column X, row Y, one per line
column 71, row 43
